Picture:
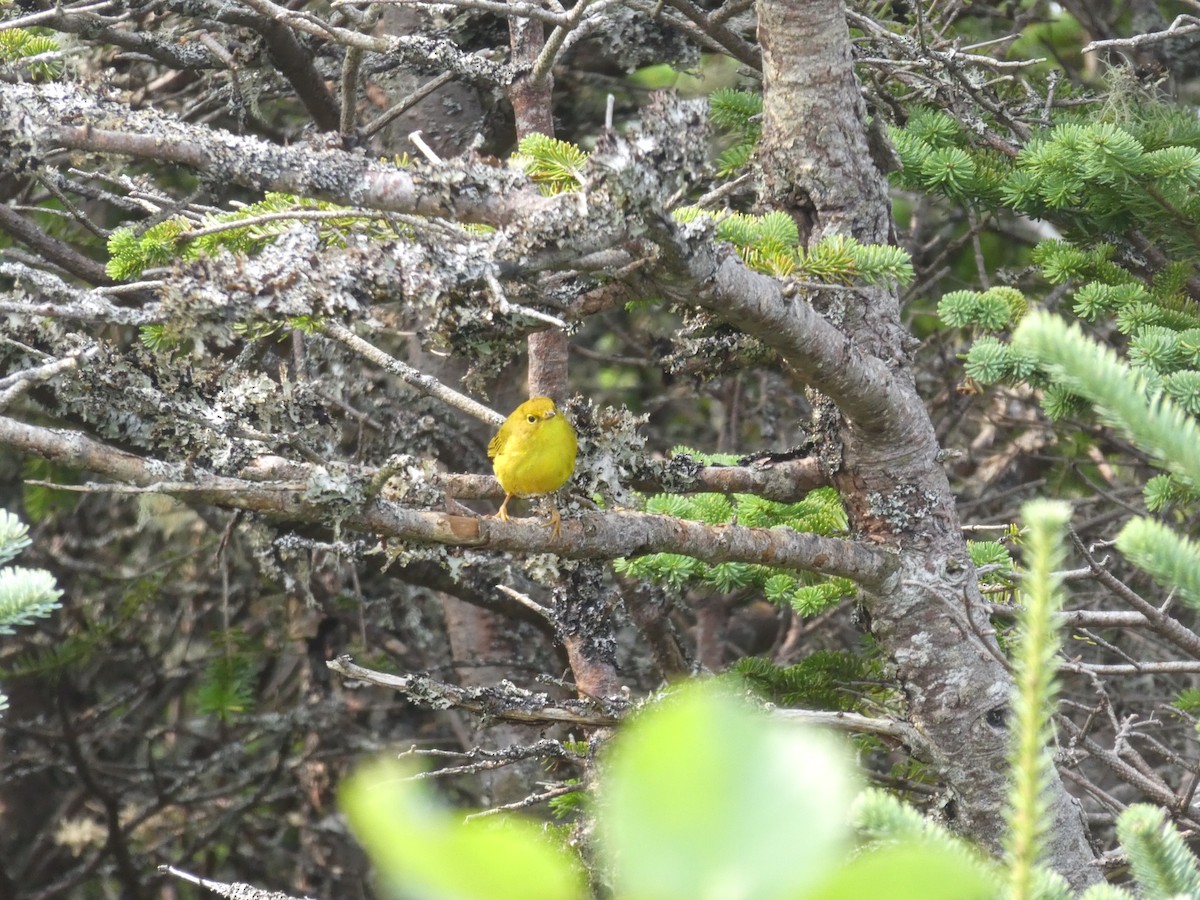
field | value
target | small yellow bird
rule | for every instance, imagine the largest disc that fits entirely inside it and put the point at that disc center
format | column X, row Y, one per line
column 533, row 453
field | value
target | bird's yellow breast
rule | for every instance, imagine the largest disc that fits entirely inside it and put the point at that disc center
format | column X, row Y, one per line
column 534, row 450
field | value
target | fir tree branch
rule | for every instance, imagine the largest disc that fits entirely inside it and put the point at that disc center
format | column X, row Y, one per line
column 1034, row 669
column 1121, row 395
column 1161, row 861
column 1173, row 560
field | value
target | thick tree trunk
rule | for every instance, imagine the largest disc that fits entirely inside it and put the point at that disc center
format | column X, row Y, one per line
column 930, row 621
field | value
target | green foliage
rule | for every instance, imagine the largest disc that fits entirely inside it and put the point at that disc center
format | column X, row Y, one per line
column 1105, row 892
column 158, row 338
column 1125, row 397
column 131, row 252
column 1187, row 700
column 991, row 310
column 767, row 243
column 682, row 780
column 1034, row 669
column 1059, row 403
column 25, row 594
column 1161, row 861
column 1173, row 560
column 1092, row 178
column 423, row 849
column 991, row 360
column 882, row 820
column 810, row 599
column 993, row 562
column 228, row 687
column 1162, row 492
column 555, row 166
column 18, row 44
column 41, row 501
column 1120, row 394
column 989, row 554
column 565, row 805
column 257, row 331
column 820, row 512
column 100, row 628
column 841, row 259
column 738, row 113
column 825, row 679
column 656, row 829
column 770, row 244
column 658, row 824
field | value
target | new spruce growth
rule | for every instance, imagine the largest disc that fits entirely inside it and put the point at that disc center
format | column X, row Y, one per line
column 25, row 594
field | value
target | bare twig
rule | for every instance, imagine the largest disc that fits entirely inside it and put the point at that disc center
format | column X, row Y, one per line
column 386, row 118
column 1169, row 627
column 1183, row 24
column 428, row 152
column 508, row 308
column 528, row 602
column 426, row 384
column 507, row 10
column 19, row 382
column 506, row 702
column 531, row 800
column 1174, row 667
column 235, row 890
column 39, row 17
column 857, row 724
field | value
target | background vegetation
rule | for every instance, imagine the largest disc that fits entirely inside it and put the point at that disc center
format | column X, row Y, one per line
column 272, row 273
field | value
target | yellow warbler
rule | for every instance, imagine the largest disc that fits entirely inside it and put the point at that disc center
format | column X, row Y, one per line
column 533, row 453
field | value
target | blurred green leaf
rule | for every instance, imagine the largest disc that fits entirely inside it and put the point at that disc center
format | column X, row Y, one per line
column 708, row 799
column 908, row 872
column 425, row 850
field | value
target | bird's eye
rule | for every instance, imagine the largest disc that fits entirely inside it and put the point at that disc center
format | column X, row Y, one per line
column 531, row 419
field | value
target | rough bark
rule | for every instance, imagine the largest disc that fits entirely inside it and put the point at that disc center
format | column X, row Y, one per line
column 929, row 620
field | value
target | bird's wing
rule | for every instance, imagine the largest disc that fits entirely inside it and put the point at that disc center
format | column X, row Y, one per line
column 496, row 444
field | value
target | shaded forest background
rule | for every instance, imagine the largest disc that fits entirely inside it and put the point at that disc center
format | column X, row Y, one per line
column 178, row 707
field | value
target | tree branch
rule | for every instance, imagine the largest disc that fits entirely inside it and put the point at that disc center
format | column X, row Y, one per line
column 34, row 124
column 508, row 703
column 56, row 251
column 328, row 497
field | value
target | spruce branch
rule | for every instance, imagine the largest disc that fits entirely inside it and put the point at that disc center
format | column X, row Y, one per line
column 1120, row 394
column 25, row 594
column 1162, row 863
column 1174, row 561
column 1034, row 666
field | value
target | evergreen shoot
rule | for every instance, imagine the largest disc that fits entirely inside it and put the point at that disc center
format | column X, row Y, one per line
column 1034, row 667
column 25, row 594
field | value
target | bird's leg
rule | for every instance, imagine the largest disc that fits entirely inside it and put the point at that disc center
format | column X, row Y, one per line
column 503, row 514
column 555, row 522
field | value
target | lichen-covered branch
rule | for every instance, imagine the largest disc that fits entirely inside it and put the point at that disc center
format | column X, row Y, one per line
column 506, row 703
column 337, row 498
column 36, row 120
